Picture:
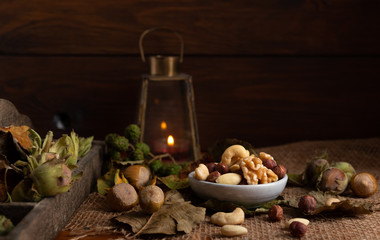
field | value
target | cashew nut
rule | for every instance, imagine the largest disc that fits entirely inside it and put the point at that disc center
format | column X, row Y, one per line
column 232, row 218
column 233, row 230
column 233, row 154
column 201, row 172
column 229, row 178
column 330, row 201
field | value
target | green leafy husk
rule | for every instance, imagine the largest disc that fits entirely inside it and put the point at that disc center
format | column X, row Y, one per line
column 107, row 181
column 6, row 225
column 85, row 145
column 312, row 171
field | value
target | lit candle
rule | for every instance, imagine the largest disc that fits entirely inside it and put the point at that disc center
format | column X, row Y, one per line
column 170, row 140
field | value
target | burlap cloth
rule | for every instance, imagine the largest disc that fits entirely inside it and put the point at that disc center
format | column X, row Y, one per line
column 94, row 218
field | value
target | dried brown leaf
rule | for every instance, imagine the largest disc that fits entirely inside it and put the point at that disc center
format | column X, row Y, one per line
column 175, row 215
column 135, row 219
column 344, row 207
column 21, row 134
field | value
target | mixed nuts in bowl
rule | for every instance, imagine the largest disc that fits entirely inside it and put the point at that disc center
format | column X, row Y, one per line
column 249, row 196
column 240, row 177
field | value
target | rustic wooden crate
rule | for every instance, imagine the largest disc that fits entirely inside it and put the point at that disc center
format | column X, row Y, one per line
column 44, row 220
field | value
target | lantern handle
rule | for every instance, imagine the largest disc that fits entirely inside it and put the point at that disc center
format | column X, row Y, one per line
column 160, row 28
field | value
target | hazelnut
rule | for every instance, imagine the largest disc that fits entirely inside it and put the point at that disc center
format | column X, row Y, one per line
column 275, row 213
column 280, row 171
column 213, row 176
column 269, row 163
column 363, row 185
column 222, row 168
column 307, row 204
column 297, row 229
column 211, row 166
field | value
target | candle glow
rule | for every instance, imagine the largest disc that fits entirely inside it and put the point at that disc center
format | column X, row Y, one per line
column 163, row 125
column 170, row 140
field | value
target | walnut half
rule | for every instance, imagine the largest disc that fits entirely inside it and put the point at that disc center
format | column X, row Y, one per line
column 255, row 172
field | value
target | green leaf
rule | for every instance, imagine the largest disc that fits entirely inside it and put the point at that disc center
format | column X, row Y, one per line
column 107, row 181
column 296, row 179
column 174, row 182
column 85, row 145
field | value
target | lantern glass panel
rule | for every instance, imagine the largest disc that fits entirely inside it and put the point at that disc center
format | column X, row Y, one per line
column 167, row 109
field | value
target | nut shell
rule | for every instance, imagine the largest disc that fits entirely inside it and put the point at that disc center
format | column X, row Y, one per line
column 222, row 168
column 122, row 197
column 137, row 175
column 213, row 176
column 307, row 204
column 280, row 171
column 297, row 229
column 363, row 184
column 151, row 198
column 275, row 213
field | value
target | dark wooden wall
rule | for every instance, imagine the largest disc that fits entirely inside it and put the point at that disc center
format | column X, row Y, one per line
column 269, row 72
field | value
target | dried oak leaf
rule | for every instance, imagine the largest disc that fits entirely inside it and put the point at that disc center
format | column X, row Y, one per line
column 21, row 134
column 175, row 215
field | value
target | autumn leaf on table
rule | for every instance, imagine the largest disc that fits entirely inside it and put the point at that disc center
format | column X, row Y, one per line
column 175, row 215
column 223, row 206
column 174, row 182
column 21, row 134
column 344, row 207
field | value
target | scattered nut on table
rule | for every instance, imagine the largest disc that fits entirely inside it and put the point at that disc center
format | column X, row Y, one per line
column 233, row 230
column 307, row 204
column 330, row 201
column 231, row 218
column 302, row 220
column 297, row 229
column 275, row 213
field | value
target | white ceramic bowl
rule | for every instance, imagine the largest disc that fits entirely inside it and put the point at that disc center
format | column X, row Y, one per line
column 249, row 196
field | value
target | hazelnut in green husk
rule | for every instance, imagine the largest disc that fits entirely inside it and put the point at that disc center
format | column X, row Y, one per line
column 151, row 198
column 332, row 180
column 314, row 170
column 363, row 185
column 346, row 167
column 6, row 225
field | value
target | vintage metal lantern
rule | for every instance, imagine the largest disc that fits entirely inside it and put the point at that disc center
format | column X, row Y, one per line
column 167, row 111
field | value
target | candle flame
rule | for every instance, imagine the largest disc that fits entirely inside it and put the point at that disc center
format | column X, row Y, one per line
column 163, row 125
column 170, row 140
